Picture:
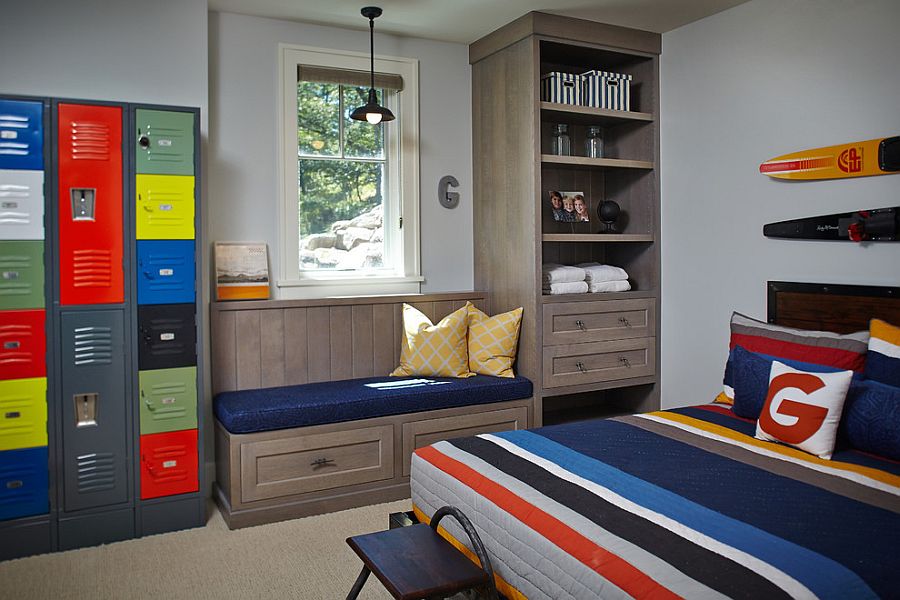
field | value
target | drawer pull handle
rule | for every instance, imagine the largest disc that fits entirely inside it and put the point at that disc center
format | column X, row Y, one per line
column 625, row 362
column 322, row 462
column 624, row 322
column 580, row 325
column 580, row 366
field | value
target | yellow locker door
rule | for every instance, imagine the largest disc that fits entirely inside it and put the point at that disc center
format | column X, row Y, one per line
column 23, row 413
column 165, row 207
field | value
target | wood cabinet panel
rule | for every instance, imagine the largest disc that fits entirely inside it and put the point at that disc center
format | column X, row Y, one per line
column 578, row 322
column 577, row 364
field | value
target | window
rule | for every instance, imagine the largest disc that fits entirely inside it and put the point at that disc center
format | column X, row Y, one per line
column 349, row 222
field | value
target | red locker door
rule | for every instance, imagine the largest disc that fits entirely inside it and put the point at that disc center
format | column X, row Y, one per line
column 169, row 464
column 23, row 344
column 90, row 204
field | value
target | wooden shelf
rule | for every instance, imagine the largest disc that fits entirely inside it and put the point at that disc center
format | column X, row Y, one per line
column 586, row 115
column 597, row 237
column 583, row 162
column 588, row 297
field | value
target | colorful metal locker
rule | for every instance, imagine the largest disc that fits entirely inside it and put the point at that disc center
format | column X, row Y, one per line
column 21, row 274
column 21, row 205
column 21, row 135
column 24, row 483
column 165, row 271
column 93, row 397
column 168, row 400
column 165, row 207
column 167, row 336
column 90, row 211
column 169, row 464
column 165, row 142
column 23, row 344
column 23, row 413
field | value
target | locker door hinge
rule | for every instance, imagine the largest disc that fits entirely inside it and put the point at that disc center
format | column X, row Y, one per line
column 401, row 222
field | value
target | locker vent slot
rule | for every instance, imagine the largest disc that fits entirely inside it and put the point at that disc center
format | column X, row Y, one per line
column 168, row 144
column 96, row 472
column 12, row 199
column 11, row 338
column 92, row 268
column 13, row 122
column 13, row 271
column 93, row 346
column 90, row 141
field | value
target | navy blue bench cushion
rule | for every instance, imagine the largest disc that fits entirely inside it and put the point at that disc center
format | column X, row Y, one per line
column 249, row 411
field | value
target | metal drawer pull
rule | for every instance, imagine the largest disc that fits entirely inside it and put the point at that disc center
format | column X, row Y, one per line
column 580, row 366
column 580, row 325
column 624, row 322
column 322, row 462
column 625, row 362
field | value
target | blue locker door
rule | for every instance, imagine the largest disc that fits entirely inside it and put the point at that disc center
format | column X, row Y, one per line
column 21, row 135
column 165, row 271
column 24, row 482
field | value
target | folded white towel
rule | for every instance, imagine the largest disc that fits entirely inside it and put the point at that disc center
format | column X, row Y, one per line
column 552, row 273
column 568, row 287
column 610, row 286
column 597, row 273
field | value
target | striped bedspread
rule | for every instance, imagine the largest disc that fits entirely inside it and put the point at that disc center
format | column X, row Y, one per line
column 679, row 503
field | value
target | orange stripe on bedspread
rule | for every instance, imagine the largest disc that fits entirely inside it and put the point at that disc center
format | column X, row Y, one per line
column 616, row 570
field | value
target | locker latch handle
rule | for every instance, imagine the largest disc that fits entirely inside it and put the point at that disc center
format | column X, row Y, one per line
column 15, row 484
column 144, row 142
column 147, row 402
column 13, row 415
column 86, row 409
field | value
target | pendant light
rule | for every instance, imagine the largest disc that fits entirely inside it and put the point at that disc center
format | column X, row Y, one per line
column 372, row 112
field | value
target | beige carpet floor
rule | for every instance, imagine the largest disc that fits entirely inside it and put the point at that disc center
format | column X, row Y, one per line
column 304, row 558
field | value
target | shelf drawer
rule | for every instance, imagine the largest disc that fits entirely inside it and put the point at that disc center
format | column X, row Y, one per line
column 594, row 362
column 418, row 434
column 578, row 322
column 308, row 463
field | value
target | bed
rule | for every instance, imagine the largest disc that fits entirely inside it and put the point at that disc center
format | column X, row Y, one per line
column 679, row 503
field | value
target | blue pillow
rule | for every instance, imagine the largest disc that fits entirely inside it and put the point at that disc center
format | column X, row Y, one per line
column 751, row 379
column 871, row 420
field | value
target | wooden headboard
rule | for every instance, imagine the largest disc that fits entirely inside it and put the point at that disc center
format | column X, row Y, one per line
column 831, row 307
column 270, row 343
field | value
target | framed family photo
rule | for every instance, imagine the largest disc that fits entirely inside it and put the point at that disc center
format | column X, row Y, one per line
column 242, row 271
column 569, row 207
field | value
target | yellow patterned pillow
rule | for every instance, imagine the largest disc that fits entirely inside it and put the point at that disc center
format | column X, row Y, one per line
column 492, row 342
column 434, row 350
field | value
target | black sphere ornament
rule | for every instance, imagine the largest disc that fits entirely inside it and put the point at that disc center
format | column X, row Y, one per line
column 609, row 212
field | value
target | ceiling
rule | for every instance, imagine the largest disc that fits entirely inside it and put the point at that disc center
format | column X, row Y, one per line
column 465, row 21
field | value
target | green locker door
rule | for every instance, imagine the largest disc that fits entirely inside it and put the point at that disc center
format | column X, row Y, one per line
column 21, row 274
column 168, row 399
column 165, row 142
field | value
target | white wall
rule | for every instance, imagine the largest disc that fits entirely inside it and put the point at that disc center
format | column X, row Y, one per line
column 243, row 159
column 763, row 79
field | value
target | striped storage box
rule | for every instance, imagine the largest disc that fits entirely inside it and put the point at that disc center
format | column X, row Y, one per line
column 565, row 88
column 602, row 89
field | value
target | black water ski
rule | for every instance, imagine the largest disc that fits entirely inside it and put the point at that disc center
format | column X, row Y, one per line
column 876, row 225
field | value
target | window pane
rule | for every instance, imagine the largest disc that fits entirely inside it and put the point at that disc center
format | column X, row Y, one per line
column 361, row 140
column 341, row 207
column 318, row 119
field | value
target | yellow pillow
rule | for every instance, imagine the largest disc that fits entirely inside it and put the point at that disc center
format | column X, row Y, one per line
column 492, row 342
column 434, row 350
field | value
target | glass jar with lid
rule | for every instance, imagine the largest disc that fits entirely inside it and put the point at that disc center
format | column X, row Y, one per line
column 593, row 142
column 561, row 144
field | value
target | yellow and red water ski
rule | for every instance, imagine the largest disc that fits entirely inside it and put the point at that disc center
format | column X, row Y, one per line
column 858, row 159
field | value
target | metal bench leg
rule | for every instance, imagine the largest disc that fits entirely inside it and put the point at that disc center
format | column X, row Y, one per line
column 360, row 582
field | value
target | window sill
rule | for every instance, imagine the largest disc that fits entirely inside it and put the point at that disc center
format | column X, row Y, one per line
column 327, row 287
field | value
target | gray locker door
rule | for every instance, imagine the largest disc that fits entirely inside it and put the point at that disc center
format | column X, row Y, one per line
column 21, row 205
column 94, row 409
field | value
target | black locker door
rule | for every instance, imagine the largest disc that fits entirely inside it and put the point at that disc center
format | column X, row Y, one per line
column 94, row 404
column 168, row 337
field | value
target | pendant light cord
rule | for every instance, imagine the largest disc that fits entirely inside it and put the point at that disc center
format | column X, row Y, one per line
column 372, row 52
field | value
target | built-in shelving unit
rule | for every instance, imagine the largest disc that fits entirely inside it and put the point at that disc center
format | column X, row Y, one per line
column 587, row 354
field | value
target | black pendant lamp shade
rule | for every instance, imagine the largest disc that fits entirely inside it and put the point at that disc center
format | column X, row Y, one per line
column 372, row 112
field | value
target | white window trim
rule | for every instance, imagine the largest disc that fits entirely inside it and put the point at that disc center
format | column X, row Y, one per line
column 317, row 285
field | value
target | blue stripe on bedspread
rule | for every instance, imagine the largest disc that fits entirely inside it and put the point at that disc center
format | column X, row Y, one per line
column 783, row 530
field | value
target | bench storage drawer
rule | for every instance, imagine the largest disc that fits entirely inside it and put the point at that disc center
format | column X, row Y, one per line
column 307, row 463
column 594, row 362
column 594, row 321
column 417, row 434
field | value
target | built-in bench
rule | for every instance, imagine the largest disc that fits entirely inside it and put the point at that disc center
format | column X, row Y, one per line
column 306, row 420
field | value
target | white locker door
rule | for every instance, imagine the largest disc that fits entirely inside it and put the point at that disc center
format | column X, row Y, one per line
column 21, row 205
